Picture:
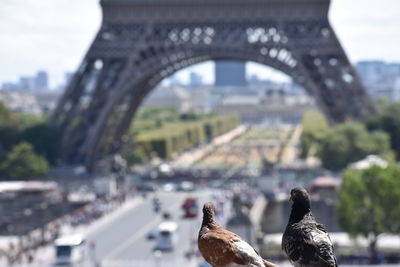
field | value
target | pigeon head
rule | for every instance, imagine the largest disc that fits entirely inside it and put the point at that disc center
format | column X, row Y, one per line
column 209, row 213
column 300, row 196
column 209, row 209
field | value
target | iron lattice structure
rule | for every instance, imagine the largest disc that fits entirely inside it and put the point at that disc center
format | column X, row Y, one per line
column 141, row 42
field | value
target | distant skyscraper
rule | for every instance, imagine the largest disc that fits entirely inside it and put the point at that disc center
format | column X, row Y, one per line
column 396, row 90
column 393, row 69
column 174, row 80
column 230, row 73
column 195, row 79
column 375, row 71
column 26, row 83
column 254, row 80
column 41, row 80
column 9, row 86
column 380, row 78
column 370, row 71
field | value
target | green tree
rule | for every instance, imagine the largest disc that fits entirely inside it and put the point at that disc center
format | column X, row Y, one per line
column 9, row 134
column 7, row 118
column 135, row 156
column 9, row 137
column 3, row 153
column 45, row 140
column 368, row 203
column 189, row 116
column 314, row 125
column 22, row 162
column 26, row 120
column 388, row 120
column 347, row 143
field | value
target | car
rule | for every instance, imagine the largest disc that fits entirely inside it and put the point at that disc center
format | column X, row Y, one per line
column 167, row 236
column 169, row 187
column 166, row 216
column 146, row 188
column 186, row 186
column 152, row 234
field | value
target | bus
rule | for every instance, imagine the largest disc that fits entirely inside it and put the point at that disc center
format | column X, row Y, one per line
column 167, row 236
column 70, row 251
column 190, row 207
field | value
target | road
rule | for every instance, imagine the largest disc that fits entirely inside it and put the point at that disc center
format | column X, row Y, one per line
column 290, row 151
column 123, row 241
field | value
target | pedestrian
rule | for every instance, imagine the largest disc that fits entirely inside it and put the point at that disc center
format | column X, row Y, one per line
column 30, row 257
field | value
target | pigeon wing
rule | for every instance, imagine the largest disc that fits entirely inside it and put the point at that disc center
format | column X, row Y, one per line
column 218, row 248
column 247, row 253
column 309, row 242
column 292, row 243
column 324, row 244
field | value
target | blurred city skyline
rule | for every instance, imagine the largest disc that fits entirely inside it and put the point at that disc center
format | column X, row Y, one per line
column 54, row 36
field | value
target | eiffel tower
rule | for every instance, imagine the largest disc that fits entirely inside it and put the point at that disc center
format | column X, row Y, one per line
column 141, row 42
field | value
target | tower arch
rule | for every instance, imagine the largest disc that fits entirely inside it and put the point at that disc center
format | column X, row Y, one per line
column 141, row 42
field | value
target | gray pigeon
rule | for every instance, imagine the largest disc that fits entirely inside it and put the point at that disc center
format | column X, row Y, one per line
column 306, row 242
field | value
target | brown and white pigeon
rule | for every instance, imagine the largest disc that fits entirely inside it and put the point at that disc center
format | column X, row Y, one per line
column 222, row 248
column 306, row 242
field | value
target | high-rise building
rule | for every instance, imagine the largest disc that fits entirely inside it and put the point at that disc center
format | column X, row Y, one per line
column 396, row 90
column 374, row 71
column 380, row 78
column 230, row 73
column 370, row 71
column 195, row 79
column 174, row 81
column 41, row 80
column 9, row 86
column 393, row 69
column 26, row 83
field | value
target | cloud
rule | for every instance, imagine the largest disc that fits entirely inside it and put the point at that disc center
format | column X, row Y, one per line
column 368, row 29
column 46, row 34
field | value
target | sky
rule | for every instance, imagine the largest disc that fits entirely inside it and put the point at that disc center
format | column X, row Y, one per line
column 54, row 35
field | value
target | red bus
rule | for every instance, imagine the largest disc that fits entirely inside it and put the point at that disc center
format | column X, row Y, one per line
column 190, row 207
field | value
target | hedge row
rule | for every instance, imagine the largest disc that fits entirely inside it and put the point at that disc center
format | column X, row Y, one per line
column 177, row 136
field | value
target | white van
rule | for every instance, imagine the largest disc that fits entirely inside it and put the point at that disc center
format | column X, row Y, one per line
column 167, row 236
column 70, row 251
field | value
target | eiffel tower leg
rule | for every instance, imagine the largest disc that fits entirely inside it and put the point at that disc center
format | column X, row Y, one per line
column 69, row 101
column 330, row 78
column 117, row 124
column 102, row 128
column 81, row 107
